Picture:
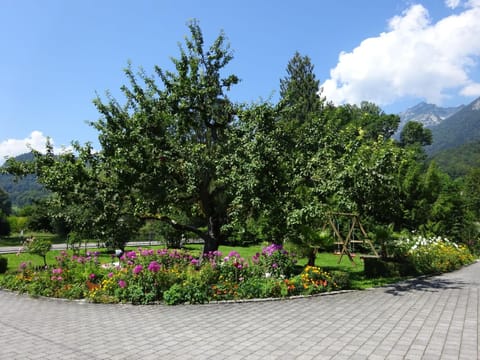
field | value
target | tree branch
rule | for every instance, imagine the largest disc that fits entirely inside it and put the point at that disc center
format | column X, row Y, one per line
column 177, row 226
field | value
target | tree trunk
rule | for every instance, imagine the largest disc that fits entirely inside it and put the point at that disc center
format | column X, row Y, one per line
column 212, row 240
column 312, row 255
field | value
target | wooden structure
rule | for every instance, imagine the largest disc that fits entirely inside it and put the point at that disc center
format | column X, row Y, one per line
column 347, row 241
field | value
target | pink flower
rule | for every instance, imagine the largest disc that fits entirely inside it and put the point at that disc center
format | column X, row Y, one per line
column 154, row 267
column 194, row 262
column 110, row 275
column 137, row 269
column 92, row 276
column 122, row 283
column 131, row 255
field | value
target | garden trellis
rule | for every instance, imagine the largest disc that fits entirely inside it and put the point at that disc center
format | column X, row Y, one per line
column 345, row 243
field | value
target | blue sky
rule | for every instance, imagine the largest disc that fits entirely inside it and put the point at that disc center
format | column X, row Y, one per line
column 56, row 55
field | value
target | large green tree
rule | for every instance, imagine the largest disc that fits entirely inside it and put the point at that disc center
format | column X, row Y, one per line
column 163, row 148
column 415, row 134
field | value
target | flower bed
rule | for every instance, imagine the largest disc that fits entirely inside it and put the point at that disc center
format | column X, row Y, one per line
column 148, row 276
column 433, row 254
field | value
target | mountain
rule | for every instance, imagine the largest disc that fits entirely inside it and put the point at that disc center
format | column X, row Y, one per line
column 460, row 128
column 23, row 191
column 429, row 115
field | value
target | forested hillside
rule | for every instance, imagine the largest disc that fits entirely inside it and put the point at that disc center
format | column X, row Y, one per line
column 458, row 161
column 461, row 128
column 22, row 191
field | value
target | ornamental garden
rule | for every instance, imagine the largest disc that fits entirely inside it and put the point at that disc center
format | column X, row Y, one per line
column 149, row 276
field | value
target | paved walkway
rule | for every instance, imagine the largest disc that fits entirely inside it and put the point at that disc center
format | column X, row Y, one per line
column 432, row 318
column 92, row 245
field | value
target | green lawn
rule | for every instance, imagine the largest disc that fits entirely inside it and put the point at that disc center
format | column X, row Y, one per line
column 17, row 240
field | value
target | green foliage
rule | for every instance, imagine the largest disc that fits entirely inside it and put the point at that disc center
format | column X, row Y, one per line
column 22, row 191
column 5, row 203
column 5, row 228
column 164, row 148
column 3, row 265
column 414, row 134
column 38, row 246
column 275, row 261
column 147, row 276
column 180, row 152
column 17, row 223
column 383, row 236
column 459, row 161
column 341, row 279
column 40, row 219
column 375, row 268
column 434, row 254
column 459, row 128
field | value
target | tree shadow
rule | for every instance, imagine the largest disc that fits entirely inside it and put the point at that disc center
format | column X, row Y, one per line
column 426, row 284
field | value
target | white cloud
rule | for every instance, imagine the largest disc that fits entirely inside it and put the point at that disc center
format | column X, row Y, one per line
column 452, row 4
column 13, row 147
column 415, row 57
column 471, row 90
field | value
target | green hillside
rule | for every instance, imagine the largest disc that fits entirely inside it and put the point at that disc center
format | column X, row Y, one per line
column 22, row 191
column 458, row 161
column 461, row 128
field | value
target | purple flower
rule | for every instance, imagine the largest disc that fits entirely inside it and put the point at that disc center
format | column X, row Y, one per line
column 92, row 276
column 270, row 249
column 274, row 265
column 153, row 267
column 147, row 252
column 162, row 252
column 132, row 255
column 137, row 269
column 195, row 262
column 122, row 283
column 23, row 265
column 233, row 254
column 110, row 275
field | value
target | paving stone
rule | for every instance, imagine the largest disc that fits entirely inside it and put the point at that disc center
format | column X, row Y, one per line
column 425, row 318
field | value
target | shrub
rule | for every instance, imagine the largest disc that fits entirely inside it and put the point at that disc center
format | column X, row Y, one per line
column 38, row 246
column 17, row 223
column 341, row 279
column 275, row 261
column 376, row 267
column 3, row 265
column 435, row 254
column 191, row 292
column 315, row 280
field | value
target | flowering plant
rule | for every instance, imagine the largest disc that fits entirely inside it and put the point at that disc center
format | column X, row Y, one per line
column 434, row 254
column 148, row 276
column 275, row 261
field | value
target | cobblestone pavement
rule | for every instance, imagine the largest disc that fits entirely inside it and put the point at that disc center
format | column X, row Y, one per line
column 429, row 318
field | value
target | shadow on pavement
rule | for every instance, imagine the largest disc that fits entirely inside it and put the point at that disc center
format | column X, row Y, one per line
column 424, row 284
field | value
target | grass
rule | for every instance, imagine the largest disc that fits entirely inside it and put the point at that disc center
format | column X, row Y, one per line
column 17, row 240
